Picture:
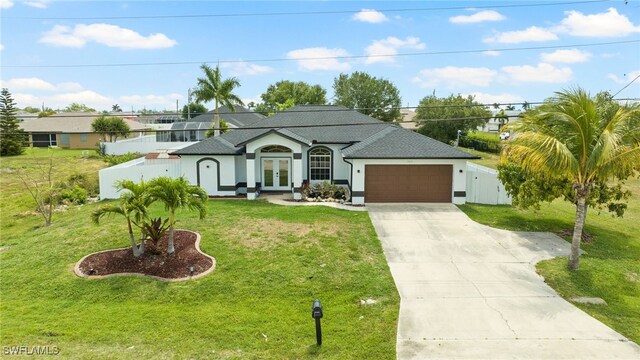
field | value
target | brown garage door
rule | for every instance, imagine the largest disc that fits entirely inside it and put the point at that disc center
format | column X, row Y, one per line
column 408, row 183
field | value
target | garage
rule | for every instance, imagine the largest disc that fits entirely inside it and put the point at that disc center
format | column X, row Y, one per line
column 408, row 183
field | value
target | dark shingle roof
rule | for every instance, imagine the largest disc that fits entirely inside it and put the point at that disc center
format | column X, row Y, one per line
column 321, row 115
column 398, row 143
column 241, row 117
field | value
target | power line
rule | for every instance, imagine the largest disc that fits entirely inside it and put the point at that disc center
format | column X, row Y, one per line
column 299, row 13
column 446, row 52
column 626, row 86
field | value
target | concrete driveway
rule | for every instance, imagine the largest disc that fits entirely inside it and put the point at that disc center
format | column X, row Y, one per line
column 471, row 292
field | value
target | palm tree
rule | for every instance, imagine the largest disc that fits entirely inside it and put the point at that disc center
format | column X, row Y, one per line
column 587, row 141
column 174, row 194
column 213, row 87
column 133, row 206
column 502, row 118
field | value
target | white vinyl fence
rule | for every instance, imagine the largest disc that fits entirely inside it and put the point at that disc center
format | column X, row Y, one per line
column 143, row 145
column 135, row 170
column 484, row 187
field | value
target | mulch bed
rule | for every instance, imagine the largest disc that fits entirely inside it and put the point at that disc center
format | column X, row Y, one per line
column 568, row 233
column 160, row 265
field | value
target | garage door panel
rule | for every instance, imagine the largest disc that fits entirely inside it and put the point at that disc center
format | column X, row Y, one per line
column 408, row 183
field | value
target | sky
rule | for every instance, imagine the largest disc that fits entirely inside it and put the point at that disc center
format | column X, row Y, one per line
column 147, row 54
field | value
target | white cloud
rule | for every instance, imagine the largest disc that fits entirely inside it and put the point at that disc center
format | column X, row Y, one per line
column 5, row 4
column 319, row 58
column 624, row 80
column 370, row 15
column 452, row 76
column 1, row 47
column 543, row 72
column 566, row 56
column 530, row 34
column 150, row 101
column 606, row 24
column 486, row 15
column 389, row 48
column 244, row 68
column 503, row 98
column 28, row 84
column 40, row 4
column 491, row 53
column 69, row 86
column 105, row 34
column 87, row 97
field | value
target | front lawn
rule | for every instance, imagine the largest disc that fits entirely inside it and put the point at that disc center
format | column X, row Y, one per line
column 272, row 261
column 609, row 270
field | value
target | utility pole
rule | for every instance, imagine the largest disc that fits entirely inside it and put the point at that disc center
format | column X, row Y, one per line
column 188, row 104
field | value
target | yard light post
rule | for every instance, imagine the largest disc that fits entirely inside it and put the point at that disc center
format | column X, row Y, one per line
column 316, row 313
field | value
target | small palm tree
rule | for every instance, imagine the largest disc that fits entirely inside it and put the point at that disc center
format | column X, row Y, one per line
column 585, row 140
column 212, row 87
column 133, row 206
column 174, row 194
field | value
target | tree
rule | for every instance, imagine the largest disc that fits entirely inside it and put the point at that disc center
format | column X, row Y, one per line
column 75, row 107
column 134, row 201
column 502, row 118
column 116, row 108
column 196, row 109
column 46, row 112
column 212, row 87
column 177, row 193
column 38, row 180
column 110, row 127
column 289, row 92
column 12, row 138
column 378, row 98
column 441, row 118
column 224, row 127
column 31, row 110
column 584, row 141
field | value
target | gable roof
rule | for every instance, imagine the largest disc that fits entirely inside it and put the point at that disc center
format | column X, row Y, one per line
column 70, row 123
column 368, row 137
column 241, row 117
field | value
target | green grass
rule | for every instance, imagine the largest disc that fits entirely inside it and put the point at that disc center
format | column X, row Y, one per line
column 609, row 270
column 272, row 261
column 487, row 159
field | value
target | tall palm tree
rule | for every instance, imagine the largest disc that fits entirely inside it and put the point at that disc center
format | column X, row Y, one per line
column 174, row 194
column 133, row 206
column 212, row 87
column 585, row 140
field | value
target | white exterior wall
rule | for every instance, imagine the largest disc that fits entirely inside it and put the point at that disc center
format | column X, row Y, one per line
column 135, row 170
column 227, row 169
column 459, row 174
column 143, row 145
column 484, row 187
column 241, row 172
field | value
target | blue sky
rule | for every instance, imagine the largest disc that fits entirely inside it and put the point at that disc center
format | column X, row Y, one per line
column 37, row 34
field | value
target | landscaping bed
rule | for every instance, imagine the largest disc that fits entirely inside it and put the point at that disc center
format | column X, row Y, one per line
column 178, row 266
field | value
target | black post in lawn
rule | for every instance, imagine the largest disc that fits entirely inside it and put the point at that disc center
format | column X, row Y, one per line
column 316, row 313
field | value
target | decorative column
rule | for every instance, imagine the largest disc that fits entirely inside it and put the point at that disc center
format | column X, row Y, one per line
column 251, row 176
column 297, row 175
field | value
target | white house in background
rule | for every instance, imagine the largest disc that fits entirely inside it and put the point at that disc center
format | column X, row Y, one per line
column 494, row 125
column 378, row 161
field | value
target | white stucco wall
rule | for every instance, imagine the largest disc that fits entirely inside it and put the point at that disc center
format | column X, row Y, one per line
column 135, row 170
column 459, row 173
column 227, row 172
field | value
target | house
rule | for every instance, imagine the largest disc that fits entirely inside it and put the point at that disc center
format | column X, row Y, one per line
column 68, row 130
column 377, row 161
column 195, row 129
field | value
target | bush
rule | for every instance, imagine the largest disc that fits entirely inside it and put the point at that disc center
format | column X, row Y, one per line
column 119, row 159
column 324, row 191
column 74, row 195
column 481, row 141
column 88, row 183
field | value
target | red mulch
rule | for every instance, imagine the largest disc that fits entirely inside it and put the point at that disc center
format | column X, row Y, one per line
column 161, row 265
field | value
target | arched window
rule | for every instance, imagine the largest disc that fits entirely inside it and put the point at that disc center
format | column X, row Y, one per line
column 275, row 149
column 320, row 164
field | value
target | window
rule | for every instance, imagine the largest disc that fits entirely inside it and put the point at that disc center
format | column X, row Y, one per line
column 83, row 137
column 320, row 164
column 64, row 139
column 275, row 149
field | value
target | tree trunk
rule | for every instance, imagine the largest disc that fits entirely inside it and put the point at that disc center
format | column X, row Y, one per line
column 134, row 247
column 216, row 121
column 581, row 214
column 170, row 247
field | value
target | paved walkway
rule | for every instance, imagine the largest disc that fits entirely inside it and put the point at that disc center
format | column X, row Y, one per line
column 285, row 200
column 471, row 292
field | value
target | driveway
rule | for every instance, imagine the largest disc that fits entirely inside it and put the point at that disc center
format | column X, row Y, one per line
column 469, row 291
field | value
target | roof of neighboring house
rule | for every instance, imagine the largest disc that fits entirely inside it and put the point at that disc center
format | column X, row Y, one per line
column 241, row 117
column 371, row 138
column 69, row 123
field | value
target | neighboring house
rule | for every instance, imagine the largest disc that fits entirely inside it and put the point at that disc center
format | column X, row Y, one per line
column 378, row 161
column 68, row 130
column 495, row 125
column 408, row 121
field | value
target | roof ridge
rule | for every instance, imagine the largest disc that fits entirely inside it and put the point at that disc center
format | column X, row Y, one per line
column 373, row 138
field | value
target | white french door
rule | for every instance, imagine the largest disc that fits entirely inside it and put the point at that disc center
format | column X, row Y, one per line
column 276, row 174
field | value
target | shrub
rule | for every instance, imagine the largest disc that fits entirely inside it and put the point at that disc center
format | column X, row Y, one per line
column 154, row 230
column 481, row 141
column 112, row 160
column 324, row 191
column 88, row 183
column 74, row 195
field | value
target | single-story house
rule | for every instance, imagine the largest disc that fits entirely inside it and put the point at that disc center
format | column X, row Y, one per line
column 377, row 161
column 69, row 130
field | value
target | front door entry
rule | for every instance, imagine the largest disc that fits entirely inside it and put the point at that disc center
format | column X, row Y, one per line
column 276, row 174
